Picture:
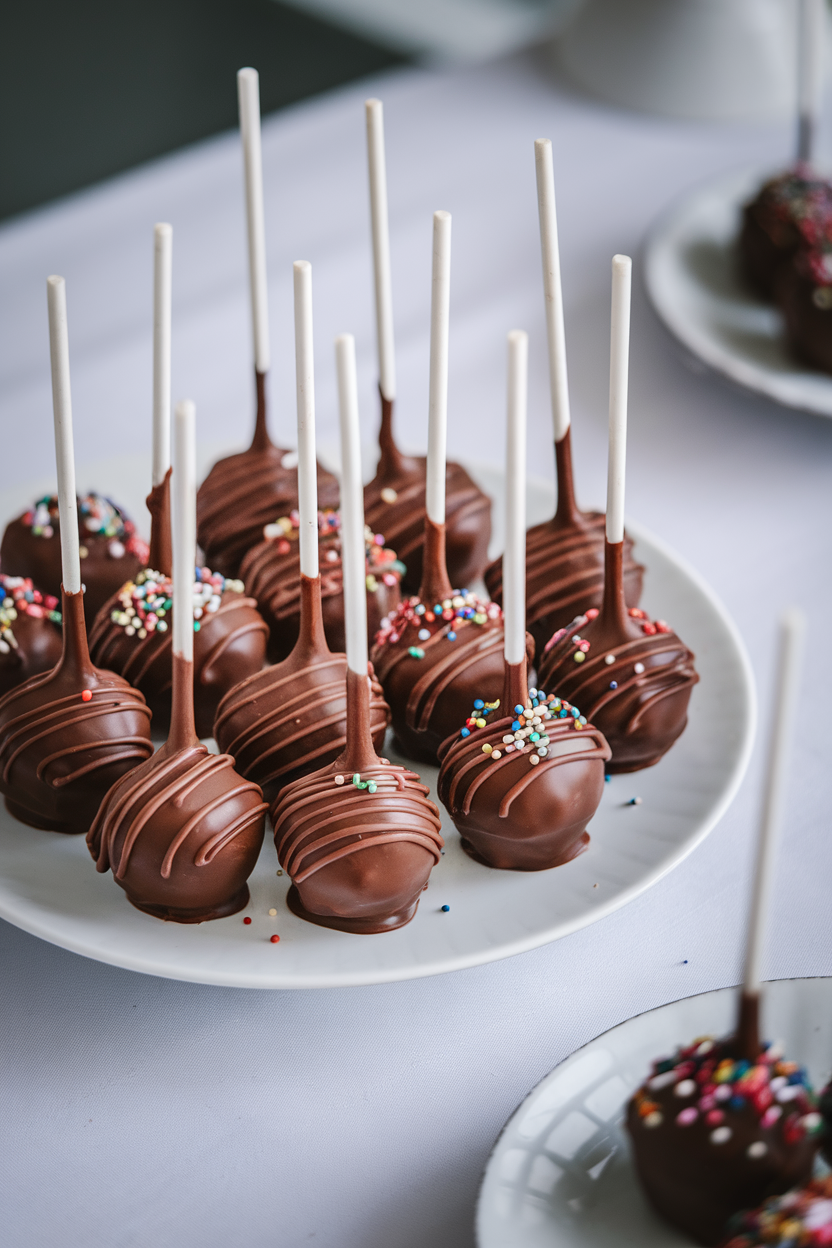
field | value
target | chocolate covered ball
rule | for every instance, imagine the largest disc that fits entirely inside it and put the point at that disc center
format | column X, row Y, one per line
column 712, row 1135
column 790, row 211
column 802, row 1216
column 111, row 550
column 30, row 631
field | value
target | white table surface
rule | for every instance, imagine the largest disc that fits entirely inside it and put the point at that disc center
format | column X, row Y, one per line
column 143, row 1113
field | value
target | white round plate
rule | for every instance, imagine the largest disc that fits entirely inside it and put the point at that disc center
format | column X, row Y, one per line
column 691, row 274
column 560, row 1175
column 48, row 885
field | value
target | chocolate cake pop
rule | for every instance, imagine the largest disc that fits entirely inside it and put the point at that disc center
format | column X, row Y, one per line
column 182, row 832
column 30, row 631
column 271, row 570
column 521, row 785
column 565, row 555
column 723, row 1124
column 630, row 676
column 804, row 294
column 394, row 501
column 110, row 549
column 802, row 1216
column 360, row 837
column 68, row 735
column 245, row 492
column 442, row 649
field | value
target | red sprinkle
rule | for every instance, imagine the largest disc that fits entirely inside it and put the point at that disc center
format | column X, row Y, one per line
column 246, row 919
column 86, row 696
column 275, row 939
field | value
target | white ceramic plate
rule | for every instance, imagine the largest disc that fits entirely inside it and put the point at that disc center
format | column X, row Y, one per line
column 560, row 1175
column 48, row 885
column 691, row 274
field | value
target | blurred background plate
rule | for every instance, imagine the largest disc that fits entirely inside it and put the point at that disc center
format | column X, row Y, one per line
column 560, row 1175
column 692, row 279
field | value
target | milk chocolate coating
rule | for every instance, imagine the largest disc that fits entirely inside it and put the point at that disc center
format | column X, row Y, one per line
column 23, row 553
column 182, row 832
column 245, row 492
column 160, row 554
column 696, row 1182
column 229, row 647
column 467, row 511
column 565, row 561
column 33, row 644
column 514, row 814
column 60, row 753
column 358, row 860
column 274, row 579
column 785, row 214
column 807, row 312
column 646, row 711
column 291, row 719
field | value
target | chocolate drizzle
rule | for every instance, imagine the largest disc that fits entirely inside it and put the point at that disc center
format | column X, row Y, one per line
column 289, row 720
column 67, row 736
column 160, row 557
column 565, row 560
column 247, row 491
column 633, row 679
column 359, row 856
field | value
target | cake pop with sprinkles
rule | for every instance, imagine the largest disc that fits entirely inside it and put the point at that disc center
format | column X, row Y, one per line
column 722, row 1124
column 30, row 631
column 395, row 499
column 182, row 832
column 564, row 555
column 291, row 719
column 631, row 676
column 802, row 1216
column 67, row 735
column 442, row 649
column 359, row 837
column 242, row 493
column 525, row 774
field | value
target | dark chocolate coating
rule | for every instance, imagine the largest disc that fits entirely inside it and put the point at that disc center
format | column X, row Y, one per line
column 358, row 860
column 60, row 753
column 825, row 1107
column 401, row 522
column 274, row 580
column 647, row 711
column 291, row 719
column 788, row 212
column 183, row 831
column 33, row 645
column 23, row 553
column 515, row 814
column 229, row 647
column 245, row 492
column 807, row 312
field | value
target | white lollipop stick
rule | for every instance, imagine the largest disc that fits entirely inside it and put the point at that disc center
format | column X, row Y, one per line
column 162, row 271
column 785, row 703
column 248, row 93
column 552, row 292
column 184, row 529
column 353, row 557
column 810, row 58
column 381, row 248
column 305, row 383
column 622, row 268
column 64, row 447
column 514, row 558
column 438, row 387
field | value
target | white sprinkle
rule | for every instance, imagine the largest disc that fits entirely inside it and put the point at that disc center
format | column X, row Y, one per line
column 289, row 460
column 757, row 1149
column 339, row 779
column 655, row 1119
column 687, row 1087
column 272, row 911
column 662, row 1081
column 609, row 658
column 638, row 668
column 721, row 1136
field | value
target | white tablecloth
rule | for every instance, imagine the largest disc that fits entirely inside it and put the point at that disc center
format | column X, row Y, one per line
column 147, row 1113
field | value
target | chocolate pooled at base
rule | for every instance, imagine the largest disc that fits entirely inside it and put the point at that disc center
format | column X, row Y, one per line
column 565, row 561
column 394, row 506
column 30, row 632
column 631, row 677
column 244, row 492
column 182, row 832
column 521, row 787
column 358, row 838
column 291, row 719
column 67, row 736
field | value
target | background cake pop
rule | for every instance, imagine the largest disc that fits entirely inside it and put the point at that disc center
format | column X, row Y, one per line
column 565, row 555
column 68, row 735
column 723, row 1124
column 131, row 634
column 360, row 837
column 522, row 779
column 802, row 1216
column 182, row 832
column 291, row 719
column 30, row 631
column 443, row 649
column 244, row 492
column 630, row 676
column 394, row 501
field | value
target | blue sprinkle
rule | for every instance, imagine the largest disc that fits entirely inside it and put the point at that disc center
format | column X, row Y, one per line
column 515, row 726
column 437, row 610
column 613, row 684
column 465, row 732
column 452, row 636
column 478, row 704
column 576, row 714
column 445, row 909
column 607, row 779
column 737, row 1102
column 563, row 714
column 519, row 709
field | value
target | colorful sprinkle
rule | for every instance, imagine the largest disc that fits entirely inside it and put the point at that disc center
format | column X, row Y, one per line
column 274, row 939
column 86, row 695
column 246, row 920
